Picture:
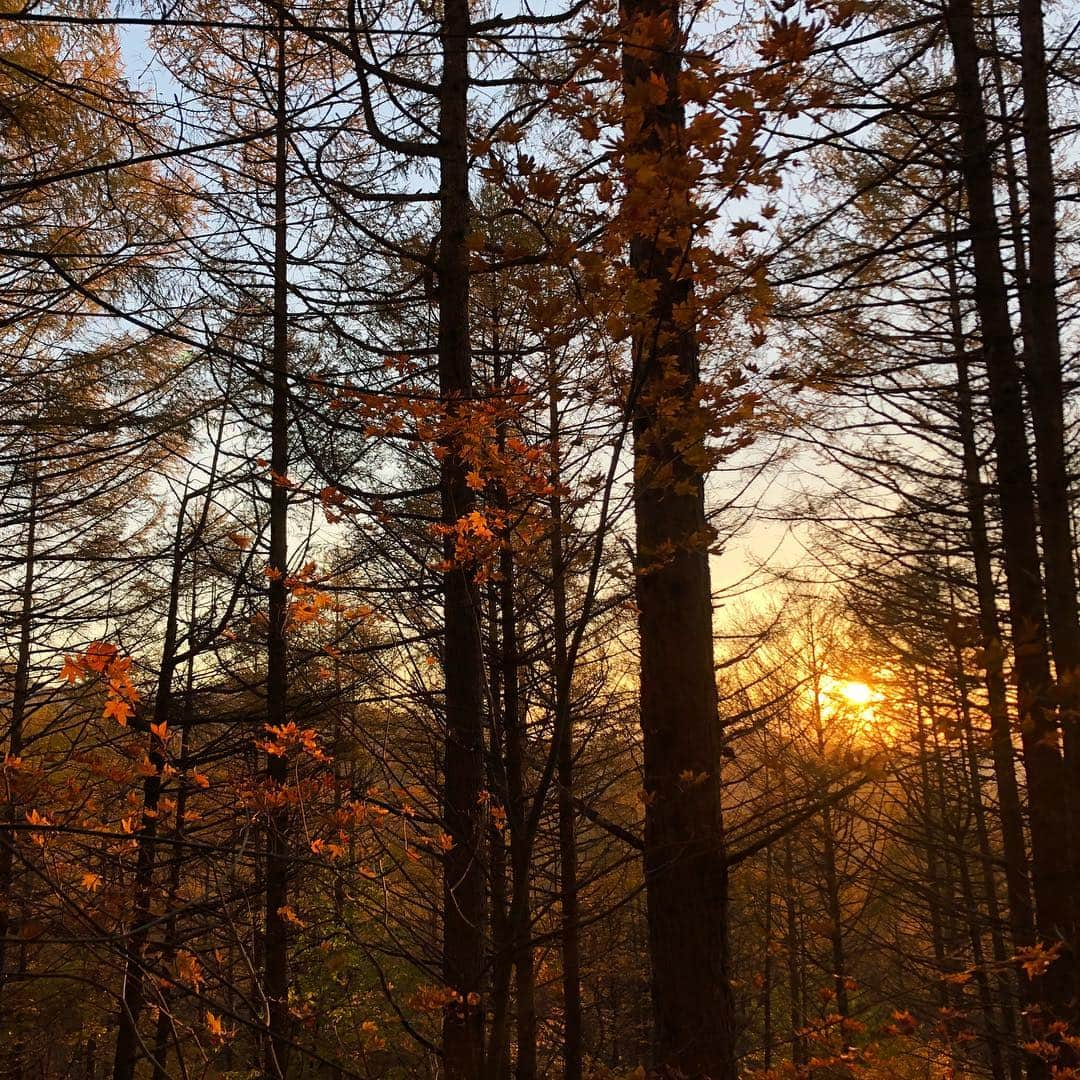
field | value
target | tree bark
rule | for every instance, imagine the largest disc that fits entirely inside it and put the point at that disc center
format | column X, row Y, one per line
column 463, row 883
column 794, row 958
column 276, row 941
column 1046, row 396
column 1051, row 864
column 133, row 994
column 1010, row 811
column 685, row 866
column 19, row 702
column 833, row 901
column 569, row 929
column 520, row 845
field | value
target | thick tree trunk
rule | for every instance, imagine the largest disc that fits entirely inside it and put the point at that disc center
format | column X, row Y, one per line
column 685, row 865
column 1049, row 820
column 1010, row 811
column 1046, row 395
column 463, row 883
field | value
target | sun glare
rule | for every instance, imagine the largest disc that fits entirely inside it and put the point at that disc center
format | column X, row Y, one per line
column 858, row 693
column 855, row 705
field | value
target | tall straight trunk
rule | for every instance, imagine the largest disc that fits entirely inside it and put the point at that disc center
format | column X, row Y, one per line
column 520, row 846
column 686, row 874
column 19, row 703
column 794, row 958
column 971, row 913
column 166, row 1029
column 1005, row 1031
column 1046, row 396
column 517, row 803
column 1010, row 811
column 835, row 913
column 1048, row 817
column 497, row 1056
column 931, row 845
column 275, row 942
column 497, row 1053
column 133, row 993
column 767, row 972
column 1040, row 329
column 463, row 661
column 1007, row 1027
column 996, row 1032
column 569, row 928
column 952, row 854
column 833, row 905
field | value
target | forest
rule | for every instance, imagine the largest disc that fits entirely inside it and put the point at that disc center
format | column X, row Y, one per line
column 538, row 540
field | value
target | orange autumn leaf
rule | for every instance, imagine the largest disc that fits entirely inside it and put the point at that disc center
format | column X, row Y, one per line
column 99, row 655
column 287, row 914
column 72, row 670
column 215, row 1026
column 118, row 709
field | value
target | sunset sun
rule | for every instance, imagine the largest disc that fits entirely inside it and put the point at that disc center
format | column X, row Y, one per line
column 857, row 693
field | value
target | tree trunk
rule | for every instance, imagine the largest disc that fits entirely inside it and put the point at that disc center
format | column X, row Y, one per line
column 1005, row 985
column 520, row 845
column 463, row 883
column 276, row 942
column 19, row 701
column 930, row 847
column 685, row 865
column 166, row 1029
column 767, row 966
column 569, row 930
column 1017, row 883
column 133, row 995
column 794, row 958
column 497, row 1054
column 833, row 905
column 1046, row 395
column 1051, row 867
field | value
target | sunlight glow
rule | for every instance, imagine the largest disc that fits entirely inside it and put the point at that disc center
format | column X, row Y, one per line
column 855, row 706
column 858, row 693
